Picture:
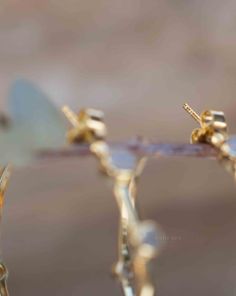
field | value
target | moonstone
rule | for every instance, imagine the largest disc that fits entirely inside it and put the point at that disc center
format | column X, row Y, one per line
column 232, row 145
column 149, row 234
column 123, row 159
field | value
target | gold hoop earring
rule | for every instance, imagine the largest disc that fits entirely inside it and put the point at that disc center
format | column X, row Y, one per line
column 138, row 241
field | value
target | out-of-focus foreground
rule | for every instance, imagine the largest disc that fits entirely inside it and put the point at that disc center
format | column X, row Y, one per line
column 138, row 61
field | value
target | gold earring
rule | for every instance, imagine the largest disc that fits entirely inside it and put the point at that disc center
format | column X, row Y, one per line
column 4, row 179
column 213, row 131
column 138, row 241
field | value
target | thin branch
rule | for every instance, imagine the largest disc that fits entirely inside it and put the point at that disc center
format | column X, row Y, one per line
column 137, row 147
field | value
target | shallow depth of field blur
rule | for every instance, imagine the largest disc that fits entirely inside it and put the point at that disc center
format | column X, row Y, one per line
column 138, row 61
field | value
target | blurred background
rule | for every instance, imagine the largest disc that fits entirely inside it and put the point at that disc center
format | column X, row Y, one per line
column 138, row 61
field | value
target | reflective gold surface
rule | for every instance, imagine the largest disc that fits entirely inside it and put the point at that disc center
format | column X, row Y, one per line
column 4, row 179
column 136, row 241
column 3, row 280
column 213, row 131
column 137, row 62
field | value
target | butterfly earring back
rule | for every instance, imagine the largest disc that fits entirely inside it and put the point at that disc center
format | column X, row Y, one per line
column 88, row 125
column 213, row 131
column 213, row 127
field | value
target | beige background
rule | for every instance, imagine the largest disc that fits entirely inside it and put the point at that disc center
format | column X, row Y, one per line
column 138, row 61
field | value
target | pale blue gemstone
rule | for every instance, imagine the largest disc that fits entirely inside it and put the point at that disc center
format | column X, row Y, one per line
column 232, row 144
column 123, row 159
column 151, row 235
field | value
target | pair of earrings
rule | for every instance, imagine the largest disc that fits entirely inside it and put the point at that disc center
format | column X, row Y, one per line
column 140, row 241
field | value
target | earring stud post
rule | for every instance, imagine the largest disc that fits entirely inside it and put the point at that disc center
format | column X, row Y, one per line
column 70, row 115
column 192, row 112
column 4, row 179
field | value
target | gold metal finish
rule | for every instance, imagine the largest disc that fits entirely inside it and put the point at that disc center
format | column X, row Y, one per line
column 213, row 131
column 192, row 112
column 3, row 280
column 4, row 179
column 137, row 241
column 213, row 128
column 88, row 125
